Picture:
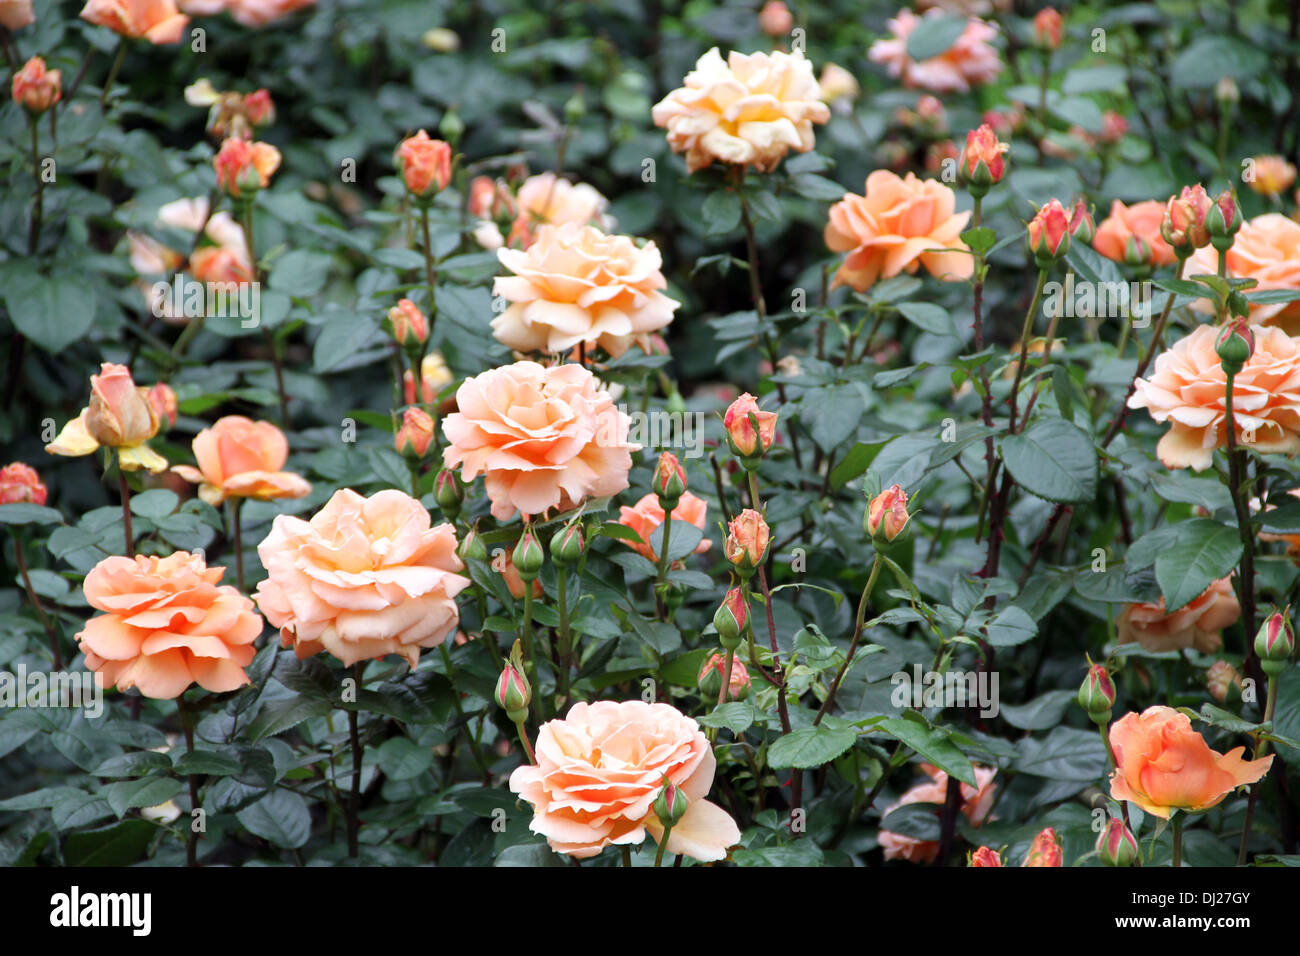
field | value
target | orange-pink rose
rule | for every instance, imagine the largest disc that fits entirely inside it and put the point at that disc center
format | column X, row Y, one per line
column 167, row 624
column 646, row 515
column 1267, row 249
column 545, row 199
column 250, row 13
column 970, row 61
column 157, row 21
column 16, row 13
column 20, row 484
column 977, row 802
column 896, row 226
column 36, row 87
column 1197, row 624
column 542, row 437
column 1188, row 389
column 244, row 166
column 364, row 578
column 1134, row 231
column 599, row 770
column 119, row 416
column 241, row 458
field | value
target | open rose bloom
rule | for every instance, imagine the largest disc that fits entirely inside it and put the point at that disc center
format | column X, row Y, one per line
column 646, row 516
column 977, row 802
column 241, row 458
column 1134, row 227
column 1197, row 624
column 746, row 110
column 119, row 416
column 542, row 437
column 1164, row 765
column 897, row 225
column 970, row 61
column 1188, row 389
column 1267, row 249
column 599, row 770
column 157, row 21
column 364, row 578
column 167, row 624
column 575, row 284
column 546, row 199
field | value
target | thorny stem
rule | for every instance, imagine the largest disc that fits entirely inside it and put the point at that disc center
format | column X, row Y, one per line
column 859, row 620
column 38, row 207
column 430, row 274
column 1260, row 751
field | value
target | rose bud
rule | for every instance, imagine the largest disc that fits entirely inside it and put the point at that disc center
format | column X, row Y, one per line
column 416, row 434
column 259, row 108
column 451, row 127
column 984, row 856
column 119, row 413
column 1114, row 127
column 747, row 442
column 670, row 805
column 1049, row 234
column 19, row 484
column 1184, row 225
column 567, row 544
column 1138, row 253
column 1235, row 344
column 164, row 403
column 1048, row 29
column 886, row 515
column 447, row 491
column 424, row 164
column 244, row 166
column 1226, row 92
column 410, row 327
column 472, row 548
column 1116, row 844
column 669, row 481
column 513, row 693
column 747, row 540
column 36, row 88
column 441, row 40
column 1223, row 682
column 731, row 618
column 710, row 679
column 1097, row 694
column 1275, row 641
column 1223, row 220
column 1046, row 850
column 1082, row 226
column 528, row 556
column 982, row 164
column 775, row 19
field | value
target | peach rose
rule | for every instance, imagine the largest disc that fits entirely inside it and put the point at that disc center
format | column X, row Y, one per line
column 546, row 199
column 157, row 21
column 243, row 165
column 20, row 484
column 1196, row 625
column 366, row 577
column 16, row 13
column 969, row 62
column 976, row 804
column 424, row 164
column 750, row 110
column 241, row 458
column 250, row 13
column 514, row 583
column 1139, row 223
column 167, row 624
column 542, row 437
column 149, row 257
column 1189, row 389
column 1273, row 176
column 1164, row 765
column 576, row 284
column 1267, row 249
column 646, row 515
column 837, row 84
column 119, row 416
column 599, row 770
column 36, row 87
column 896, row 226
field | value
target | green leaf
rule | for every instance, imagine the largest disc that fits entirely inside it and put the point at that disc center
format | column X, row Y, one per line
column 737, row 716
column 936, row 36
column 928, row 317
column 914, row 731
column 300, row 273
column 281, row 817
column 1067, row 753
column 721, row 211
column 980, row 239
column 278, row 716
column 1010, row 627
column 1053, row 459
column 1206, row 551
column 810, row 747
column 1212, row 56
column 51, row 312
column 134, row 764
column 401, row 758
column 154, row 504
column 118, row 845
column 1042, row 713
column 25, row 513
column 148, row 792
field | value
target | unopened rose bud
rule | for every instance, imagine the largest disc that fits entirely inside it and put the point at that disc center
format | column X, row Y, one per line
column 710, row 678
column 448, row 492
column 1235, row 344
column 1226, row 92
column 1097, row 694
column 1048, row 29
column 1184, row 227
column 20, row 484
column 747, row 540
column 750, row 431
column 410, row 327
column 982, row 163
column 528, row 556
column 441, row 40
column 1049, row 234
column 243, row 166
column 567, row 544
column 1223, row 682
column 1082, row 226
column 513, row 693
column 1275, row 641
column 120, row 413
column 472, row 548
column 424, row 164
column 1223, row 220
column 984, row 856
column 1046, row 850
column 451, row 127
column 775, row 19
column 163, row 400
column 1138, row 253
column 415, row 435
column 731, row 618
column 670, row 805
column 669, row 481
column 886, row 515
column 1114, row 127
column 259, row 108
column 35, row 88
column 1116, row 844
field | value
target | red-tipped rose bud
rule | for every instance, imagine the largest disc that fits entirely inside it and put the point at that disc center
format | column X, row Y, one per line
column 1235, row 344
column 567, row 544
column 731, row 619
column 670, row 805
column 1082, row 226
column 1275, row 641
column 1046, row 850
column 747, row 539
column 416, row 434
column 472, row 548
column 410, row 327
column 1049, row 234
column 528, row 556
column 513, row 693
column 1114, row 127
column 36, row 88
column 424, row 164
column 1223, row 220
column 886, row 515
column 20, row 484
column 1138, row 253
column 750, row 432
column 711, row 674
column 1097, row 693
column 1049, row 29
column 449, row 494
column 1184, row 226
column 243, row 166
column 984, row 856
column 259, row 108
column 982, row 164
column 1116, row 844
column 669, row 481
